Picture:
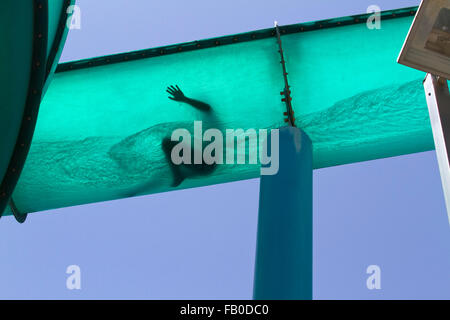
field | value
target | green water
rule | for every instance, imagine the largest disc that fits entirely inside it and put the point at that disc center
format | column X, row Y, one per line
column 99, row 131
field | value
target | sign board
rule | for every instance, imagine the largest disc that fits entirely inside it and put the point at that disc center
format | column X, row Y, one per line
column 427, row 46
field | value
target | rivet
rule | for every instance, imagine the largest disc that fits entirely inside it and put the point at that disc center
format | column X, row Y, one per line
column 13, row 169
column 38, row 63
column 29, row 118
column 40, row 35
column 356, row 20
column 217, row 42
column 179, row 48
column 34, row 91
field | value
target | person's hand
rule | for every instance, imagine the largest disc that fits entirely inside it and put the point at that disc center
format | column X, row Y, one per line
column 176, row 93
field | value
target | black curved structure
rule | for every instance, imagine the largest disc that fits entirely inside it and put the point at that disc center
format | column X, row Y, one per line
column 43, row 65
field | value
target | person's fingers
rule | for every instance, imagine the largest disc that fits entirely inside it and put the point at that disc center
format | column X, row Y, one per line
column 171, row 98
column 178, row 88
column 170, row 92
column 174, row 89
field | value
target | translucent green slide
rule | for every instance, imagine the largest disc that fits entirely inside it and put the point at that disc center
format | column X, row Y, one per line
column 32, row 33
column 102, row 122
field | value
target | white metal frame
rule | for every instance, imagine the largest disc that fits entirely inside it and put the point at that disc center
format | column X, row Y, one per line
column 438, row 100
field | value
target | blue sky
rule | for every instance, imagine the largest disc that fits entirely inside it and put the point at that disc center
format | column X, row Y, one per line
column 200, row 243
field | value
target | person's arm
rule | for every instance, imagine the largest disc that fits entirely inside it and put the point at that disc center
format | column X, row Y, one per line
column 178, row 95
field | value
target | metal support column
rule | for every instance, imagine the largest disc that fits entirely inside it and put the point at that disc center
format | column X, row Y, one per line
column 438, row 100
column 283, row 268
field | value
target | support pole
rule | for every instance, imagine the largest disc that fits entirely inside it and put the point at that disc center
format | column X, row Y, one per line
column 438, row 100
column 283, row 267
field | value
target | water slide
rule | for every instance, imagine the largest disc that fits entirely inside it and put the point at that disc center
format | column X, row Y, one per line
column 102, row 120
column 32, row 33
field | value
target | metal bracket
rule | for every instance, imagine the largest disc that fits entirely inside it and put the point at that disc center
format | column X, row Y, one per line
column 20, row 217
column 438, row 100
column 287, row 91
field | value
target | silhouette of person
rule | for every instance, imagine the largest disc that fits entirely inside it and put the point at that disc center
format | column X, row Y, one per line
column 182, row 171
